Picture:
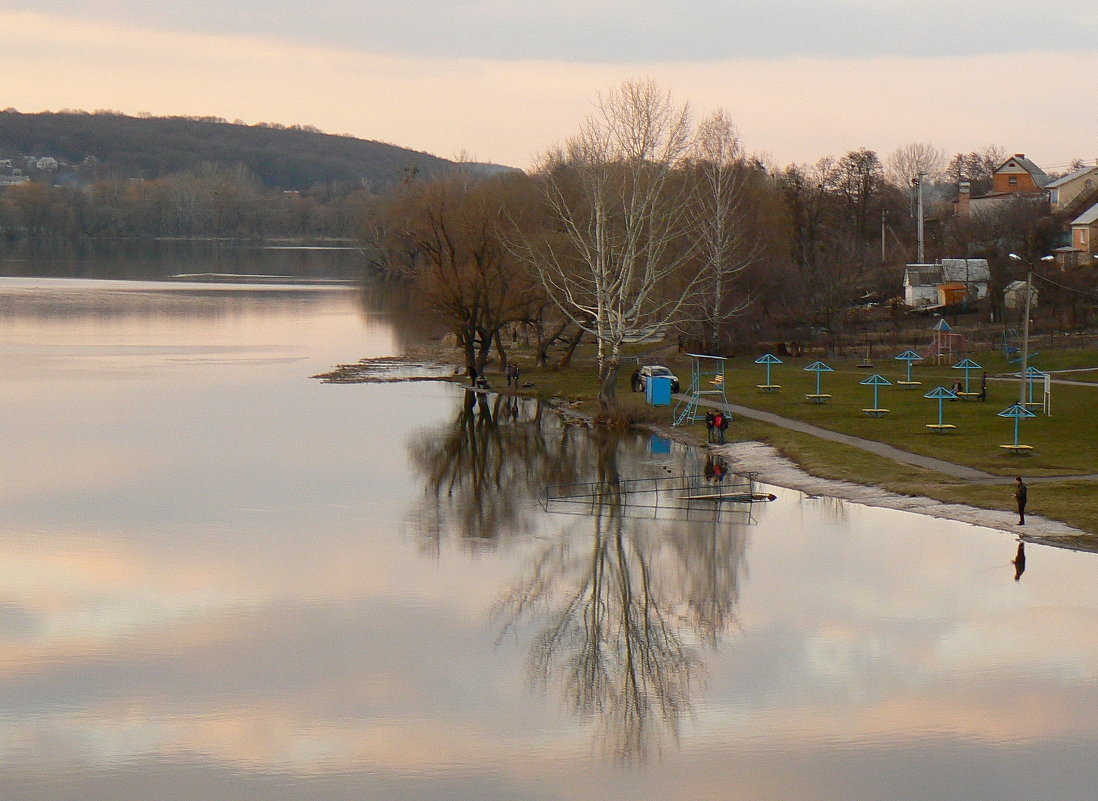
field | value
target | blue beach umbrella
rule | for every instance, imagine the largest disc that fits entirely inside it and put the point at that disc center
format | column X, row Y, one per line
column 968, row 366
column 768, row 359
column 910, row 357
column 819, row 368
column 940, row 394
column 876, row 381
column 1017, row 411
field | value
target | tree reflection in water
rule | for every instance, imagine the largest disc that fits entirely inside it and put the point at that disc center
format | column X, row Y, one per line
column 484, row 469
column 619, row 623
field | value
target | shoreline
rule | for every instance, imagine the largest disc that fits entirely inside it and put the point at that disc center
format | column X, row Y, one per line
column 764, row 460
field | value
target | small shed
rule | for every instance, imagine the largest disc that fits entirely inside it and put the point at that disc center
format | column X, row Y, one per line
column 1014, row 296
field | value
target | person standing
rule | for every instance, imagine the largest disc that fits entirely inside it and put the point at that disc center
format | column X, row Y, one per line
column 1021, row 495
column 635, row 380
column 722, row 426
column 710, row 422
column 983, row 387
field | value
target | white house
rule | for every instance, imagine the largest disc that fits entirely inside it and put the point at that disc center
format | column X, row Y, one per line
column 922, row 282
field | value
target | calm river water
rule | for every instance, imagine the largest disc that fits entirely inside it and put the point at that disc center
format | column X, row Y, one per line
column 223, row 579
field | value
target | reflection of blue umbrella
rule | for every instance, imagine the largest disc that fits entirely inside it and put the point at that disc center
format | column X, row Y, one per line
column 941, row 394
column 910, row 357
column 768, row 359
column 968, row 366
column 1017, row 411
column 819, row 368
column 877, row 381
column 1033, row 375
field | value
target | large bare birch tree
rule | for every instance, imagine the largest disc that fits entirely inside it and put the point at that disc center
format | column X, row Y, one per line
column 620, row 205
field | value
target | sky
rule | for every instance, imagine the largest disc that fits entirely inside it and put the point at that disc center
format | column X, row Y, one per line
column 504, row 80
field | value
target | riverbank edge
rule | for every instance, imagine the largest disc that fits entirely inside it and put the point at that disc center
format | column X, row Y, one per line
column 774, row 468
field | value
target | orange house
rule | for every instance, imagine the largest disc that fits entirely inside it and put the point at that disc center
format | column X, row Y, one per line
column 1018, row 174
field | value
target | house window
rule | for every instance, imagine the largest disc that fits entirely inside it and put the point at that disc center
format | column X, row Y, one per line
column 1083, row 237
column 1013, row 180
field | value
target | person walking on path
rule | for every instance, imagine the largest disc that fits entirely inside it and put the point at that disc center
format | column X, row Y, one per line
column 710, row 422
column 983, row 387
column 1021, row 493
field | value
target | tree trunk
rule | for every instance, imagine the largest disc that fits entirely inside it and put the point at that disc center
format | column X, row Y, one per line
column 608, row 383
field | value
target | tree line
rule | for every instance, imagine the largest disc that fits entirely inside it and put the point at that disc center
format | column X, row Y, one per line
column 647, row 224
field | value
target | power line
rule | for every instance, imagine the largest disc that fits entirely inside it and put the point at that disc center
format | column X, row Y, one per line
column 1067, row 288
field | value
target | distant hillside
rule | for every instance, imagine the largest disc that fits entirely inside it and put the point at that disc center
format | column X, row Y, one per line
column 150, row 147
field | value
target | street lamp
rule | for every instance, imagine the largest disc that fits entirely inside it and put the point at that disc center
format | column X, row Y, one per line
column 1025, row 326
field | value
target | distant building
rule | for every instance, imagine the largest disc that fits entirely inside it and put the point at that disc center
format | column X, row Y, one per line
column 1084, row 231
column 1014, row 296
column 1074, row 189
column 948, row 282
column 1015, row 177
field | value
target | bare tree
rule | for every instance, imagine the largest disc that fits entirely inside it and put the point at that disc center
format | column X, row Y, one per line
column 908, row 161
column 620, row 206
column 726, row 244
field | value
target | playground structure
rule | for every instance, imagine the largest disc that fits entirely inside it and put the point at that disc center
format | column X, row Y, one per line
column 819, row 368
column 1012, row 347
column 769, row 359
column 940, row 394
column 876, row 381
column 706, row 378
column 910, row 357
column 945, row 344
column 968, row 366
column 1017, row 412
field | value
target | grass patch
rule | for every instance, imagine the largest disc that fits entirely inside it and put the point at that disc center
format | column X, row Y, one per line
column 1065, row 443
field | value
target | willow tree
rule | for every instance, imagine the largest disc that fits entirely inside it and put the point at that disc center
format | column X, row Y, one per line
column 619, row 260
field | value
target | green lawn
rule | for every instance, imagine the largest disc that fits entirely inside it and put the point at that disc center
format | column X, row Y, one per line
column 1065, row 443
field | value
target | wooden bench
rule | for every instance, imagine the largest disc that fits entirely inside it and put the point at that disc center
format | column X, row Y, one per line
column 876, row 412
column 967, row 396
column 909, row 384
column 942, row 428
column 818, row 398
column 1018, row 450
column 769, row 387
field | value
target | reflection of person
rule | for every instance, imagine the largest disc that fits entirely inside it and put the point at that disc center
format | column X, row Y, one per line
column 983, row 387
column 710, row 470
column 1019, row 561
column 720, row 467
column 1021, row 495
column 710, row 421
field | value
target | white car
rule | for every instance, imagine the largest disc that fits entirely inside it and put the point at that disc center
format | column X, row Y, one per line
column 650, row 370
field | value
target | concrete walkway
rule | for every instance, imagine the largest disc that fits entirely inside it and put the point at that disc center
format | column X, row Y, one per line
column 879, row 448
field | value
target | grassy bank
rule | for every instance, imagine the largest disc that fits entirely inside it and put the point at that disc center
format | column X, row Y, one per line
column 1065, row 443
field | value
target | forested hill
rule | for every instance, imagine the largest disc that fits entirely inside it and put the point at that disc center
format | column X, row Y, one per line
column 150, row 147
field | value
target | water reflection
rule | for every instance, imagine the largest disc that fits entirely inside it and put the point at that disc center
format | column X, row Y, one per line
column 1019, row 561
column 477, row 469
column 616, row 611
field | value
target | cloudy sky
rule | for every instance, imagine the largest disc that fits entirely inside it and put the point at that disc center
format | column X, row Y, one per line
column 500, row 80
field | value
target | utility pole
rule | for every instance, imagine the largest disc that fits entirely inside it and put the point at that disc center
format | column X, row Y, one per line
column 1024, row 383
column 884, row 221
column 918, row 181
column 1025, row 341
